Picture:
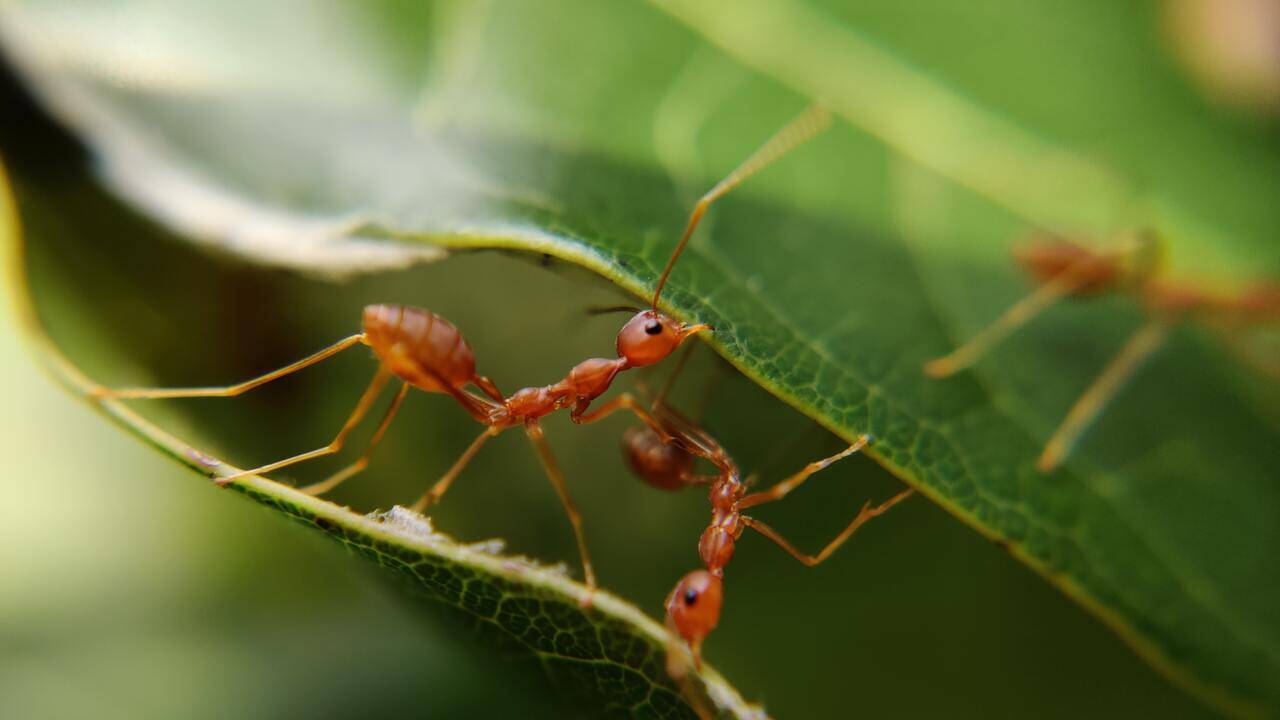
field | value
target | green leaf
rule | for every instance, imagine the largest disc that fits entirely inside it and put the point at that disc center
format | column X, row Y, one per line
column 610, row 654
column 563, row 128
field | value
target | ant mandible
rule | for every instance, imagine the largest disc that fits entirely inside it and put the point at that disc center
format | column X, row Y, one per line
column 1062, row 268
column 426, row 351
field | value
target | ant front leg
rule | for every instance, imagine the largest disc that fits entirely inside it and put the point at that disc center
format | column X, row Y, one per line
column 362, row 462
column 780, row 490
column 866, row 513
column 625, row 401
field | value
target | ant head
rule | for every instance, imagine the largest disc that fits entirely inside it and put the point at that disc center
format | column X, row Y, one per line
column 649, row 336
column 693, row 608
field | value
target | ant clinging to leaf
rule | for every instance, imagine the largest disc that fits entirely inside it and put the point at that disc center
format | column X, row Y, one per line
column 425, row 351
column 1065, row 269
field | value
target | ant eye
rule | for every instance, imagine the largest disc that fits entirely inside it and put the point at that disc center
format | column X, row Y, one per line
column 653, row 327
column 690, row 596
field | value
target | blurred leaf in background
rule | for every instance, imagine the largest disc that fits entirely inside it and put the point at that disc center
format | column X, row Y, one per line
column 353, row 138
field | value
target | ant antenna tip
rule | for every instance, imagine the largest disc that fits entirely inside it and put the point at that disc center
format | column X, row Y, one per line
column 604, row 310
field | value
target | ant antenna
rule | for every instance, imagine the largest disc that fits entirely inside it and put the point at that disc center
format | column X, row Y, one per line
column 807, row 124
column 606, row 309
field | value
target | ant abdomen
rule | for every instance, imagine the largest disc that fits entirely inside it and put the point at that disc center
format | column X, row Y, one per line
column 666, row 466
column 419, row 346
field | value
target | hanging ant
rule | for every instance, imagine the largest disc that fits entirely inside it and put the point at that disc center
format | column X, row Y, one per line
column 1063, row 268
column 666, row 460
column 426, row 351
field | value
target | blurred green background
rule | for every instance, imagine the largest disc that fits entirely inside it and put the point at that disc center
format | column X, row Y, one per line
column 128, row 589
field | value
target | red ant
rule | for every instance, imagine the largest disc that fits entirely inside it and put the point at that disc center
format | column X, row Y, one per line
column 1063, row 268
column 665, row 458
column 426, row 351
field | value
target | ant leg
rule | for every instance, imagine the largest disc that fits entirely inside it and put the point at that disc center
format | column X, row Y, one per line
column 339, row 477
column 362, row 407
column 624, row 401
column 432, row 496
column 227, row 390
column 780, row 490
column 807, row 124
column 690, row 437
column 1142, row 251
column 1017, row 315
column 1145, row 341
column 866, row 513
column 534, row 431
column 676, row 429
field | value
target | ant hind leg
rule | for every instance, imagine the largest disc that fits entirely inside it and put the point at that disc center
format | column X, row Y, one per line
column 227, row 390
column 362, row 462
column 361, row 409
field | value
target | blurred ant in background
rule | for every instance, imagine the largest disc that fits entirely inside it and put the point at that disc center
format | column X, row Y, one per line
column 1062, row 268
column 667, row 460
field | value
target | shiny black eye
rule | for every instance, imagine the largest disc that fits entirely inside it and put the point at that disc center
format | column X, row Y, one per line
column 690, row 597
column 653, row 327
